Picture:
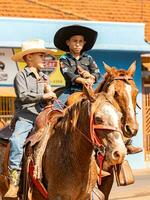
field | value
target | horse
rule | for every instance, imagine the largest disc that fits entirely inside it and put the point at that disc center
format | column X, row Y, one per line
column 69, row 166
column 3, row 154
column 120, row 85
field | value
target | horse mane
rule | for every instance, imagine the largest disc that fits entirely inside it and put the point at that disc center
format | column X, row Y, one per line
column 69, row 118
column 101, row 84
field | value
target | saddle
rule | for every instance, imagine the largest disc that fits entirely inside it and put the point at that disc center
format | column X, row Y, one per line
column 5, row 133
column 35, row 147
column 87, row 91
column 47, row 116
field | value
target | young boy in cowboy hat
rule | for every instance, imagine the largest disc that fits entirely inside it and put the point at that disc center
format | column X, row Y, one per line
column 32, row 89
column 77, row 67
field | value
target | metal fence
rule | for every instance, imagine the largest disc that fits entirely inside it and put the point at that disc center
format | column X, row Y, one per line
column 146, row 120
column 7, row 108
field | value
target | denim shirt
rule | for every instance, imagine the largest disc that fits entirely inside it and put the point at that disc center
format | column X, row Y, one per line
column 29, row 94
column 68, row 67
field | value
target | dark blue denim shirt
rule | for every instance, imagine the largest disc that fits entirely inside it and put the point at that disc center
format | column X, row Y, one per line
column 70, row 71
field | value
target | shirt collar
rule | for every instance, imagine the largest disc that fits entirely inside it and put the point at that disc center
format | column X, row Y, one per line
column 28, row 72
column 71, row 56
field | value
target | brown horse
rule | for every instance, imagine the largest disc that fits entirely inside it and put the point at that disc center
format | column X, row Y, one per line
column 120, row 85
column 3, row 156
column 69, row 167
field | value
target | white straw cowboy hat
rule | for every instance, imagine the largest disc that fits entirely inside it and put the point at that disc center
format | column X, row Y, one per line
column 31, row 46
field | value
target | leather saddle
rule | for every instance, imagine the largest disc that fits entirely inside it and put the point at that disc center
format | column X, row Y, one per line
column 5, row 133
column 45, row 116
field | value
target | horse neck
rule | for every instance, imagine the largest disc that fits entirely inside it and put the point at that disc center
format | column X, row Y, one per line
column 78, row 124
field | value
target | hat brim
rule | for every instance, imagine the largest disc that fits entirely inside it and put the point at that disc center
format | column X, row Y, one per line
column 63, row 34
column 18, row 57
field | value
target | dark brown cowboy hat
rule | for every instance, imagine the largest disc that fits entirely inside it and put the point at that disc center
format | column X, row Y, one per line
column 66, row 32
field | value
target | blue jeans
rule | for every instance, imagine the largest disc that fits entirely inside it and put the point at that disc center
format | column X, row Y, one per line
column 63, row 97
column 17, row 140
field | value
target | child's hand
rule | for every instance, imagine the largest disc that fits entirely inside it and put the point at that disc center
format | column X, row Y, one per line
column 87, row 82
column 91, row 80
column 85, row 74
column 50, row 95
column 84, row 81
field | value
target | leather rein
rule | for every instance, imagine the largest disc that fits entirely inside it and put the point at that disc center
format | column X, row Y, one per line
column 124, row 78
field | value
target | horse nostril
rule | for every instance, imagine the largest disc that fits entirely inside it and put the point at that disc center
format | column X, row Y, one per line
column 116, row 155
column 127, row 128
column 128, row 132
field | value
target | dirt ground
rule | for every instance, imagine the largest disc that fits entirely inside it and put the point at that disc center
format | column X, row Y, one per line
column 140, row 190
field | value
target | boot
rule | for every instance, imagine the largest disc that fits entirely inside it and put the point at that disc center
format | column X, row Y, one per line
column 132, row 149
column 14, row 176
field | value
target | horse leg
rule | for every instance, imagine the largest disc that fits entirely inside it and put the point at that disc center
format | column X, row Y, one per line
column 4, row 154
column 106, row 185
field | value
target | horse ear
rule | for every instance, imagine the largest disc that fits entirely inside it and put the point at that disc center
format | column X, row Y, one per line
column 132, row 69
column 107, row 67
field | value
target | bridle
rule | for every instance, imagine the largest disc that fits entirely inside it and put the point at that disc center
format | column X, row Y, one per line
column 108, row 83
column 96, row 141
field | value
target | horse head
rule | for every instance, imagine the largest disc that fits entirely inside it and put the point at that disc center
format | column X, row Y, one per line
column 105, row 129
column 119, row 84
column 104, row 125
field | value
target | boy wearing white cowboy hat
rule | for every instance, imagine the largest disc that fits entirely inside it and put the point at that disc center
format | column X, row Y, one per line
column 32, row 89
column 77, row 67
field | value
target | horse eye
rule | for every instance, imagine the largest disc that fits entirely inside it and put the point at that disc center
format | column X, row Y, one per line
column 98, row 120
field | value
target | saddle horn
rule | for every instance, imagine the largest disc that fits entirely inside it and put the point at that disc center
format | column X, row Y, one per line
column 89, row 91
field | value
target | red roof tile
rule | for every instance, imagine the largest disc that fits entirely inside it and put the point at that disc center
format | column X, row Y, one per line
column 97, row 10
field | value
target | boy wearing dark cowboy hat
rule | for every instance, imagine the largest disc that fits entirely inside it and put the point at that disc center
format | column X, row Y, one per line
column 77, row 67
